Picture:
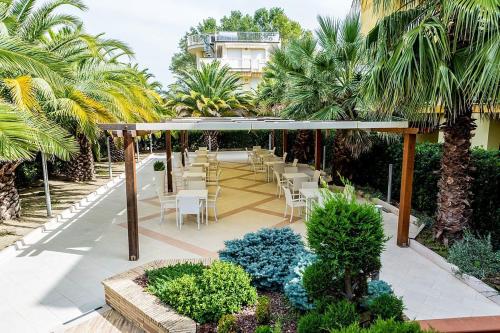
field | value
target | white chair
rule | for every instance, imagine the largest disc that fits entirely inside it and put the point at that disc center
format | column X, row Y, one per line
column 199, row 159
column 256, row 148
column 212, row 202
column 189, row 206
column 284, row 156
column 293, row 202
column 196, row 185
column 196, row 169
column 295, row 161
column 280, row 182
column 202, row 148
column 166, row 202
column 315, row 177
column 257, row 168
column 292, row 169
column 296, row 184
column 310, row 185
column 273, row 150
column 177, row 181
column 214, row 180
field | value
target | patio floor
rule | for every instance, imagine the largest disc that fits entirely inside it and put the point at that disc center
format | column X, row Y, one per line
column 54, row 274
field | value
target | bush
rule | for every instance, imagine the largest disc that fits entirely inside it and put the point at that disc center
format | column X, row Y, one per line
column 266, row 255
column 294, row 287
column 377, row 288
column 320, row 281
column 163, row 274
column 340, row 314
column 158, row 166
column 475, row 256
column 28, row 173
column 220, row 289
column 387, row 306
column 348, row 237
column 263, row 329
column 311, row 322
column 227, row 324
column 384, row 326
column 263, row 310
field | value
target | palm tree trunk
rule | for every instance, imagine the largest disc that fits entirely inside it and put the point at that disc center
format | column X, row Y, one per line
column 81, row 167
column 342, row 158
column 211, row 139
column 301, row 146
column 117, row 153
column 454, row 196
column 10, row 206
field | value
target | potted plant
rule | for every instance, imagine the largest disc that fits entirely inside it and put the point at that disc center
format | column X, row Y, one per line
column 159, row 168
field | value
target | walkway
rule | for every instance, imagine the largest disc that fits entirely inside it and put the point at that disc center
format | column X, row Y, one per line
column 55, row 275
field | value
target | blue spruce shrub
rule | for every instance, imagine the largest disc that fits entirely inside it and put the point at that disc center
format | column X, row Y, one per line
column 294, row 289
column 377, row 288
column 266, row 255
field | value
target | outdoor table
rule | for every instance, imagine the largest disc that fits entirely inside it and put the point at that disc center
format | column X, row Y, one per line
column 202, row 164
column 271, row 164
column 309, row 194
column 190, row 174
column 291, row 176
column 200, row 194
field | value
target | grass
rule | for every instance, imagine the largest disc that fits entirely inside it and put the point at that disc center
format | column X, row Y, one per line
column 426, row 238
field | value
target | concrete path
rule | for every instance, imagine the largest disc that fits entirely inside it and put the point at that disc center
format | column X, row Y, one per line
column 54, row 275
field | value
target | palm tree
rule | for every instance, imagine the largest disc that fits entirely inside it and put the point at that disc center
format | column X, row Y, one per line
column 323, row 77
column 439, row 55
column 211, row 91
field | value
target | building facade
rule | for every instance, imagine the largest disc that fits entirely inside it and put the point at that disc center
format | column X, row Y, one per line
column 487, row 133
column 244, row 52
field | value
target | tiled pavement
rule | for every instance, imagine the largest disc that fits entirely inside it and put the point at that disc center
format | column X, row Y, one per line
column 55, row 276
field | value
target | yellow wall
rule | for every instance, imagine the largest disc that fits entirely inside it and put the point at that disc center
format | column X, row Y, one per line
column 369, row 15
column 428, row 137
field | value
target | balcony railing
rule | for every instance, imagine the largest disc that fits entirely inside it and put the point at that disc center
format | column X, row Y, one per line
column 238, row 64
column 233, row 36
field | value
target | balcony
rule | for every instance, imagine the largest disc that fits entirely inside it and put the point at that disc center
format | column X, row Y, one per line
column 233, row 36
column 238, row 64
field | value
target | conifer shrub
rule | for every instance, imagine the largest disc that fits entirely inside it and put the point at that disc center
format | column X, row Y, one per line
column 266, row 255
column 311, row 322
column 294, row 287
column 387, row 306
column 340, row 314
column 263, row 310
column 377, row 288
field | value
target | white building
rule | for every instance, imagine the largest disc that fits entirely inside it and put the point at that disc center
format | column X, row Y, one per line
column 244, row 52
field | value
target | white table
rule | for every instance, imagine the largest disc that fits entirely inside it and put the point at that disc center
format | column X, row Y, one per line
column 309, row 194
column 190, row 174
column 291, row 176
column 271, row 164
column 200, row 164
column 200, row 194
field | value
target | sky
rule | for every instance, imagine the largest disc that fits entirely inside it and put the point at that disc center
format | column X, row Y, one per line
column 153, row 28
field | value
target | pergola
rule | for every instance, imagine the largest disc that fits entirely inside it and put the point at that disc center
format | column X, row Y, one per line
column 129, row 131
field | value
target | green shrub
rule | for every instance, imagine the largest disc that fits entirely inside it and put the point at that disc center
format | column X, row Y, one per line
column 294, row 288
column 263, row 310
column 377, row 288
column 227, row 324
column 475, row 256
column 311, row 322
column 387, row 306
column 384, row 326
column 263, row 329
column 321, row 280
column 28, row 173
column 340, row 314
column 348, row 237
column 167, row 273
column 158, row 166
column 266, row 255
column 222, row 288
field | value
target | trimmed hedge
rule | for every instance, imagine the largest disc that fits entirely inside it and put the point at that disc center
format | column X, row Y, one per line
column 371, row 170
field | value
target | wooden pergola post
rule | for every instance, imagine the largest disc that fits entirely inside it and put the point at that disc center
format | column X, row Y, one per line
column 168, row 145
column 408, row 162
column 317, row 149
column 285, row 141
column 131, row 193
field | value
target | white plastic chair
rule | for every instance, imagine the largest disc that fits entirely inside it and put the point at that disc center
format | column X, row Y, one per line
column 293, row 201
column 284, row 156
column 292, row 169
column 310, row 185
column 315, row 177
column 214, row 180
column 166, row 202
column 196, row 185
column 188, row 206
column 296, row 184
column 295, row 161
column 280, row 182
column 212, row 202
column 257, row 168
column 202, row 148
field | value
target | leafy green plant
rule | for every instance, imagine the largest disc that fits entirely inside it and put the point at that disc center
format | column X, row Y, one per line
column 167, row 273
column 340, row 314
column 348, row 238
column 227, row 324
column 263, row 310
column 266, row 255
column 294, row 288
column 220, row 289
column 377, row 288
column 387, row 306
column 384, row 326
column 475, row 256
column 158, row 166
column 264, row 329
column 311, row 322
column 321, row 280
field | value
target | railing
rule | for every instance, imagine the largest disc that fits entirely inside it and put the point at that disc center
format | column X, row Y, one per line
column 238, row 64
column 234, row 36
